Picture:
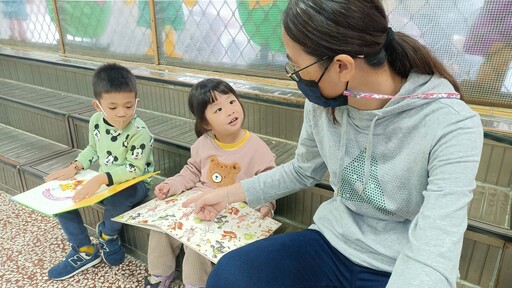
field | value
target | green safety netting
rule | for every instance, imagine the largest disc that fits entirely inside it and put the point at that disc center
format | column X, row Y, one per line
column 261, row 21
column 167, row 13
column 85, row 19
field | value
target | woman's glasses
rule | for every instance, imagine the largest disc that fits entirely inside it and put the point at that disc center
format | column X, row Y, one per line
column 294, row 73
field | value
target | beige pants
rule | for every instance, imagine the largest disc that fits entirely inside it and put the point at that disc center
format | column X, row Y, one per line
column 162, row 253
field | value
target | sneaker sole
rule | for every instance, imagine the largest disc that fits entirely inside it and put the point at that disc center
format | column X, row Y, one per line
column 102, row 257
column 81, row 269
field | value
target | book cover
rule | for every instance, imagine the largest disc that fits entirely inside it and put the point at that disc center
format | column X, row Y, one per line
column 235, row 226
column 54, row 197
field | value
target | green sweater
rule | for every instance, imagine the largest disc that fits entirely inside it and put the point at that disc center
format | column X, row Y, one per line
column 122, row 154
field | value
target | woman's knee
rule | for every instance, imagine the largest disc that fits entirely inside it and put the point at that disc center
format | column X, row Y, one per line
column 230, row 271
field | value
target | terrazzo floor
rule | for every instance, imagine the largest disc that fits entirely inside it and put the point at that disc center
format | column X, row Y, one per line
column 31, row 243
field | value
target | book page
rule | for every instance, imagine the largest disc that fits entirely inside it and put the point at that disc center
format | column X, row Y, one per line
column 234, row 227
column 52, row 197
column 55, row 197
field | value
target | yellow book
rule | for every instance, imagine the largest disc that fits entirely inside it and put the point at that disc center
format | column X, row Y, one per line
column 54, row 197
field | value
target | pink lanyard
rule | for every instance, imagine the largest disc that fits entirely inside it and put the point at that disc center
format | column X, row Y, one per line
column 366, row 95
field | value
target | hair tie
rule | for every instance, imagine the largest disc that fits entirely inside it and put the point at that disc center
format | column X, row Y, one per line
column 390, row 37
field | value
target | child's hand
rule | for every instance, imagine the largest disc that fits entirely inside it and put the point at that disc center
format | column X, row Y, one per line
column 266, row 210
column 62, row 174
column 162, row 190
column 90, row 187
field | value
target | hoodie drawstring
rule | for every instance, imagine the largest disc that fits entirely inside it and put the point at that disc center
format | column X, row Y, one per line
column 342, row 147
column 368, row 158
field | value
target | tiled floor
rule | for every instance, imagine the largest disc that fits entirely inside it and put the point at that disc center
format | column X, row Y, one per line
column 31, row 243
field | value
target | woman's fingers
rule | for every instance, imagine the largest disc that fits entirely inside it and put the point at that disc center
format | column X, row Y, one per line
column 208, row 213
column 265, row 212
column 192, row 200
column 204, row 205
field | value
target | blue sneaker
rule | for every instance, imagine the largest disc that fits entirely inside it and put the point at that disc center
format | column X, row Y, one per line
column 74, row 262
column 112, row 251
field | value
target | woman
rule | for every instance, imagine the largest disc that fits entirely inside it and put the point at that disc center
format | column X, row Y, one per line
column 402, row 152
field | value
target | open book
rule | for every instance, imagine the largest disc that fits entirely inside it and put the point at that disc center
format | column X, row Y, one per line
column 54, row 197
column 235, row 226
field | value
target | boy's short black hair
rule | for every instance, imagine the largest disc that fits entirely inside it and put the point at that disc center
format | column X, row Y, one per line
column 112, row 78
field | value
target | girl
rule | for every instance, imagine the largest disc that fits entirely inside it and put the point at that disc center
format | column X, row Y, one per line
column 223, row 154
column 401, row 155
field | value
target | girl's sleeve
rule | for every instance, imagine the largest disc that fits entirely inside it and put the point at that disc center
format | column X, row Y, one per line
column 189, row 175
column 266, row 159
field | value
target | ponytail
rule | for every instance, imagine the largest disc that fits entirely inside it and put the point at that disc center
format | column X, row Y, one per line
column 405, row 54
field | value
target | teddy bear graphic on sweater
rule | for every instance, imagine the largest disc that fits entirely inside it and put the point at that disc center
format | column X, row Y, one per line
column 221, row 174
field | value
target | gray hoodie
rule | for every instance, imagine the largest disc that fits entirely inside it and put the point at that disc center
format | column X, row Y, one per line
column 403, row 177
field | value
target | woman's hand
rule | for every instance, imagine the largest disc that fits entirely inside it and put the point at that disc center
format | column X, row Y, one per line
column 267, row 210
column 90, row 187
column 209, row 203
column 62, row 174
column 162, row 190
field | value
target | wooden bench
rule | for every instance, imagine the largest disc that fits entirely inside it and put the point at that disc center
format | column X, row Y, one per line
column 21, row 148
column 39, row 111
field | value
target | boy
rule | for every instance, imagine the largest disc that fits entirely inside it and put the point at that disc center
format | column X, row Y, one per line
column 122, row 144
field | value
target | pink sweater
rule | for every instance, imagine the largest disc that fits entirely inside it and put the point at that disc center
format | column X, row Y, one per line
column 210, row 166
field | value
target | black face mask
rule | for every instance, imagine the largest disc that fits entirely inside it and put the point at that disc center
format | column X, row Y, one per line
column 312, row 92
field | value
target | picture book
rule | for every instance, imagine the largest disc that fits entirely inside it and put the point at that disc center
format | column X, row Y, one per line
column 235, row 226
column 54, row 197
